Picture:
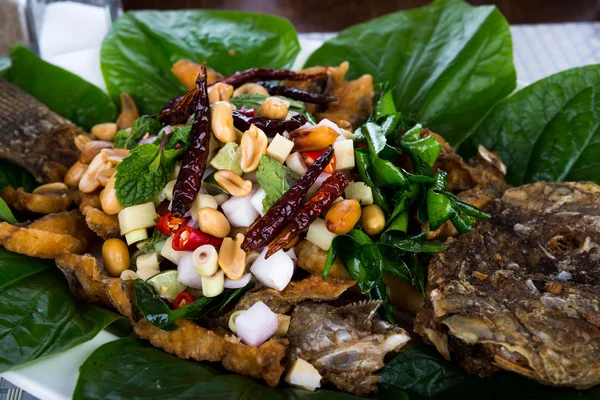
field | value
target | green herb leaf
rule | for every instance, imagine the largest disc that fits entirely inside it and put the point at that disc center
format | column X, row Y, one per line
column 40, row 317
column 181, row 135
column 63, row 92
column 256, row 100
column 142, row 46
column 548, row 131
column 449, row 62
column 275, row 179
column 137, row 181
column 364, row 166
column 151, row 244
column 5, row 213
column 383, row 102
column 142, row 126
column 423, row 152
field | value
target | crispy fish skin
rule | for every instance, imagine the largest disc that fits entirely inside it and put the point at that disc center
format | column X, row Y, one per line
column 104, row 225
column 39, row 203
column 34, row 137
column 521, row 292
column 86, row 278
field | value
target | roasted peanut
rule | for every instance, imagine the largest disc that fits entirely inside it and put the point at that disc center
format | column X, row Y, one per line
column 129, row 275
column 219, row 92
column 104, row 176
column 186, row 71
column 373, row 220
column 274, row 108
column 233, row 183
column 89, row 181
column 253, row 145
column 81, row 141
column 313, row 138
column 115, row 156
column 250, row 88
column 105, row 131
column 74, row 174
column 108, row 198
column 116, row 257
column 129, row 112
column 342, row 216
column 92, row 149
column 213, row 222
column 50, row 188
column 232, row 259
column 222, row 122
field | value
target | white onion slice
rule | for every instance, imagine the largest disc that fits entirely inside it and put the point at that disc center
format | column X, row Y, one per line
column 292, row 254
column 149, row 139
column 256, row 325
column 238, row 283
column 192, row 223
column 187, row 272
column 239, row 211
column 275, row 272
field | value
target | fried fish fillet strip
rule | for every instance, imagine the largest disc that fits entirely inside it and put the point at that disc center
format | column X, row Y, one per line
column 104, row 225
column 88, row 281
column 47, row 237
column 39, row 203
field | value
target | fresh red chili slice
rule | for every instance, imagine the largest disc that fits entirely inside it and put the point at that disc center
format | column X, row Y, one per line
column 189, row 239
column 182, row 299
column 168, row 224
column 311, row 156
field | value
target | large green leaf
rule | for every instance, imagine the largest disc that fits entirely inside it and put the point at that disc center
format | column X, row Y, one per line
column 549, row 130
column 38, row 315
column 141, row 47
column 65, row 93
column 132, row 369
column 450, row 63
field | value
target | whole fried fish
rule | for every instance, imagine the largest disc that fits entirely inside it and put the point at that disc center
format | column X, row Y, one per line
column 521, row 292
column 34, row 137
column 346, row 344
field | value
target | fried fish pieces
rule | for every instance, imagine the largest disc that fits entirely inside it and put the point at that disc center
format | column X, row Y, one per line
column 47, row 203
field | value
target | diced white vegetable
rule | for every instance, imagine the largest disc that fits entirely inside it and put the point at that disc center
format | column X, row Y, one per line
column 303, row 375
column 238, row 283
column 187, row 273
column 257, row 201
column 280, row 148
column 330, row 124
column 251, row 257
column 202, row 201
column 313, row 189
column 168, row 190
column 319, row 235
column 136, row 236
column 232, row 319
column 175, row 173
column 221, row 198
column 256, row 325
column 347, row 134
column 344, row 155
column 147, row 261
column 359, row 191
column 147, row 273
column 137, row 217
column 283, row 325
column 205, row 260
column 214, row 285
column 170, row 254
column 275, row 272
column 296, row 163
column 239, row 211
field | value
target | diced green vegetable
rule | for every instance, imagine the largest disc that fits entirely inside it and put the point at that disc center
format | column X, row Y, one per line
column 228, row 157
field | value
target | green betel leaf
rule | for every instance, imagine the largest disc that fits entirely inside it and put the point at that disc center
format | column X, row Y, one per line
column 549, row 130
column 449, row 62
column 63, row 92
column 39, row 315
column 6, row 214
column 142, row 46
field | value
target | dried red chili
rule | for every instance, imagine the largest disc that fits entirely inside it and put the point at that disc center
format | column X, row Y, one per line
column 242, row 120
column 195, row 157
column 178, row 110
column 297, row 94
column 182, row 299
column 311, row 156
column 330, row 190
column 189, row 239
column 266, row 228
column 168, row 224
column 266, row 74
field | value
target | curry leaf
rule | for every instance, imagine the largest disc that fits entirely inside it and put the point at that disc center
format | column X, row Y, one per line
column 549, row 130
column 63, row 92
column 38, row 315
column 449, row 62
column 142, row 46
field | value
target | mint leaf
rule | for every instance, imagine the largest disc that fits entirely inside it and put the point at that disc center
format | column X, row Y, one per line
column 121, row 139
column 142, row 126
column 181, row 135
column 138, row 179
column 275, row 179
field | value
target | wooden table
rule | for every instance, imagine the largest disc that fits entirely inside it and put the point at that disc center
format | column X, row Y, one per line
column 335, row 15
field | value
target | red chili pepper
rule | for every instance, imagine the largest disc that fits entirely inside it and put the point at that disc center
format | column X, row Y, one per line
column 362, row 146
column 311, row 156
column 182, row 299
column 189, row 239
column 168, row 224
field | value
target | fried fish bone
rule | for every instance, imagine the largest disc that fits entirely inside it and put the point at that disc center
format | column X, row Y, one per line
column 34, row 137
column 521, row 291
column 346, row 344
